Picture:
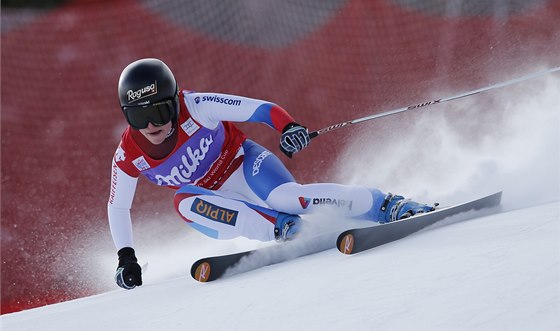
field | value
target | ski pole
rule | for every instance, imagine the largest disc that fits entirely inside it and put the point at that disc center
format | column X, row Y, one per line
column 432, row 102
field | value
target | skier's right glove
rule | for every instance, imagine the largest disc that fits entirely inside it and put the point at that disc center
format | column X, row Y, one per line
column 129, row 272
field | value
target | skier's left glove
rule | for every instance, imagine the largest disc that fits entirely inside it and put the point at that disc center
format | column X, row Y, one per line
column 129, row 272
column 294, row 138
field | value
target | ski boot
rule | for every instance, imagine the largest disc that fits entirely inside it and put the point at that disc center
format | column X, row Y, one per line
column 286, row 227
column 396, row 207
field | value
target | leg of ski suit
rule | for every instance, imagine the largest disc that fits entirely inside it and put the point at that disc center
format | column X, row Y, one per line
column 249, row 202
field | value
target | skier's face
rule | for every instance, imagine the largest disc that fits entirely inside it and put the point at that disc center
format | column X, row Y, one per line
column 157, row 134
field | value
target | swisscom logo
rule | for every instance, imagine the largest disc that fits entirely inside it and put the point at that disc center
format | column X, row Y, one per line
column 217, row 99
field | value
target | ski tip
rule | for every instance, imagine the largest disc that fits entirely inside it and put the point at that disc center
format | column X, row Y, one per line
column 346, row 244
column 202, row 272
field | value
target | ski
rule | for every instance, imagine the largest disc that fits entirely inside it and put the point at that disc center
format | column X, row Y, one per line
column 349, row 242
column 360, row 239
column 215, row 267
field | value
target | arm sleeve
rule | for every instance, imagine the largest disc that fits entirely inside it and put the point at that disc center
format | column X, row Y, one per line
column 211, row 108
column 122, row 192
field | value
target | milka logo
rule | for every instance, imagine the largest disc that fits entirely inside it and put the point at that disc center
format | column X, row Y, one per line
column 189, row 163
column 146, row 91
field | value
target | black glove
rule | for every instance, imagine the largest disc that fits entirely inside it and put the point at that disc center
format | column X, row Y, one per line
column 129, row 272
column 294, row 138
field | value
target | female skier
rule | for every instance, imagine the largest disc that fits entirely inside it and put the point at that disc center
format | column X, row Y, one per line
column 227, row 185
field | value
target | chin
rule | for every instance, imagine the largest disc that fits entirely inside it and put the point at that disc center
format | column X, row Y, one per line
column 157, row 141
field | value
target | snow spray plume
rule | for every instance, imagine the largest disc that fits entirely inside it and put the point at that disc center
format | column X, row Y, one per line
column 505, row 140
column 424, row 104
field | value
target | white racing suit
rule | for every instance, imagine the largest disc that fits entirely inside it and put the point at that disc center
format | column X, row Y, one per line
column 227, row 185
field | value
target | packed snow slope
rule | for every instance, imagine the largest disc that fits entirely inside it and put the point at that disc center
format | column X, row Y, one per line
column 498, row 272
column 493, row 272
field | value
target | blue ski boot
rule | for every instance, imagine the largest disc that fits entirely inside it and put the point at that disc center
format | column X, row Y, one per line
column 396, row 207
column 286, row 227
column 389, row 208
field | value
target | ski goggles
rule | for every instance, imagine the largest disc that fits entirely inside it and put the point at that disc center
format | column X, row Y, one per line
column 159, row 113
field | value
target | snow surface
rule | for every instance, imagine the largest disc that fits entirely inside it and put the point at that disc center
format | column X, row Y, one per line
column 497, row 272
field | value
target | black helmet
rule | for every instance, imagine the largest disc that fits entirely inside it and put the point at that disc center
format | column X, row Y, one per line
column 148, row 93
